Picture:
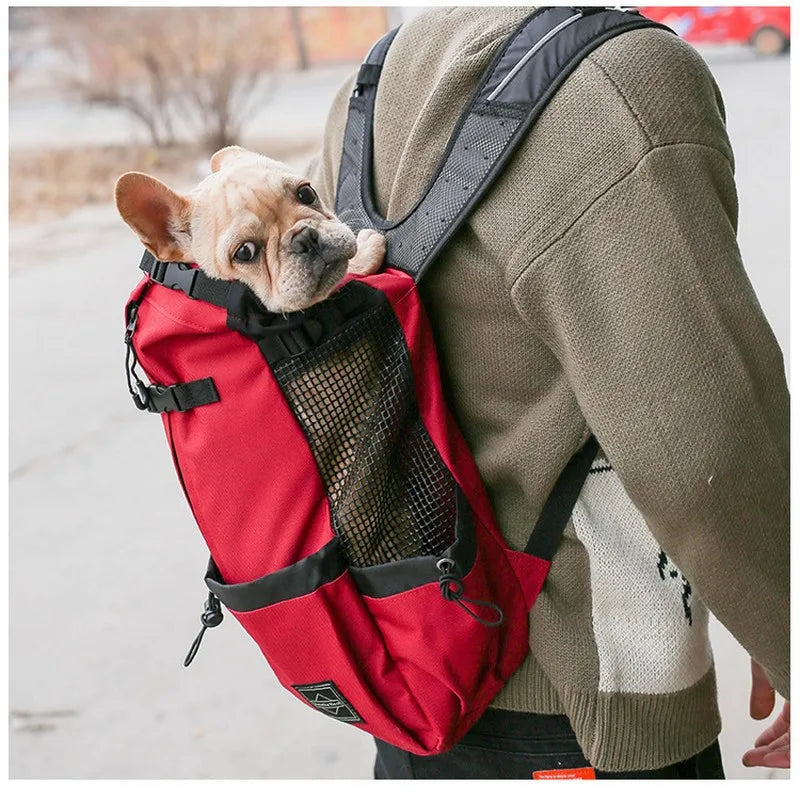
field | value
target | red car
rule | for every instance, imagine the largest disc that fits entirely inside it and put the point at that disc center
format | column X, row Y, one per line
column 766, row 28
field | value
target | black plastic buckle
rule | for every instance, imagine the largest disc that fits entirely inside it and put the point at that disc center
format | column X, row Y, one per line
column 175, row 275
column 161, row 398
column 140, row 395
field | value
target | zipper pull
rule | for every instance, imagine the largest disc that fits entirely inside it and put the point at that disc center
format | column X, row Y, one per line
column 210, row 617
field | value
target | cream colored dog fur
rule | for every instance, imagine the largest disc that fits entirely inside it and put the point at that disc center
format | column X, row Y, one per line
column 255, row 220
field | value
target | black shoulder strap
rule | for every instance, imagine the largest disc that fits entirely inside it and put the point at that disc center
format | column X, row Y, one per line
column 558, row 508
column 511, row 95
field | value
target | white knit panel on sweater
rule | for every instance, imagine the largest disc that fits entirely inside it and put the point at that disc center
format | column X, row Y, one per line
column 651, row 630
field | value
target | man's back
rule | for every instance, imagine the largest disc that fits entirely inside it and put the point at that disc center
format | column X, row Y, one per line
column 599, row 288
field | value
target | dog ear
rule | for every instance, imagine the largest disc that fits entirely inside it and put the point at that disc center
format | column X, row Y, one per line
column 158, row 215
column 231, row 152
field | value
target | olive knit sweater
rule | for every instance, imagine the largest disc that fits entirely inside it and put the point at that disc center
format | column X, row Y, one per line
column 599, row 287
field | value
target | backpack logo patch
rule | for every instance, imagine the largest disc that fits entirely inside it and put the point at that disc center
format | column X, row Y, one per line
column 328, row 699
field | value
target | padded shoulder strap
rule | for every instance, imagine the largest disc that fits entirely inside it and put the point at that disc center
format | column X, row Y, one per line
column 512, row 93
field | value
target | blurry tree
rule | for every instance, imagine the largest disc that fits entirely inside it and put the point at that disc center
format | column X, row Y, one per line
column 176, row 69
column 23, row 44
column 298, row 36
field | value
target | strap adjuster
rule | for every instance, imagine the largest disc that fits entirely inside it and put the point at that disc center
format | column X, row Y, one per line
column 161, row 398
column 178, row 397
column 175, row 275
column 368, row 75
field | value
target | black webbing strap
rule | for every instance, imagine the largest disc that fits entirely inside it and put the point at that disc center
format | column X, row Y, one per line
column 558, row 508
column 283, row 335
column 511, row 95
column 160, row 397
column 370, row 71
column 181, row 276
column 181, row 397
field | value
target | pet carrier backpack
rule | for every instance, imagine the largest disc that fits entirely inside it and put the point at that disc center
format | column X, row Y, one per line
column 349, row 530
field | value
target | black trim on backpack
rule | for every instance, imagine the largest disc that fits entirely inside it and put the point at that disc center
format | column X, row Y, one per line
column 295, row 580
column 378, row 581
column 278, row 335
column 284, row 336
column 532, row 65
column 330, row 562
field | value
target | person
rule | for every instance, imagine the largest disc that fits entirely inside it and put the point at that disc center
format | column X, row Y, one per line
column 599, row 288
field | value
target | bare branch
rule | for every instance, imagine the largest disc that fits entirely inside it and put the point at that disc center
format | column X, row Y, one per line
column 192, row 72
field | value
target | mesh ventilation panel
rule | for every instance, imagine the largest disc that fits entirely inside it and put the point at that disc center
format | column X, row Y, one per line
column 391, row 495
column 477, row 148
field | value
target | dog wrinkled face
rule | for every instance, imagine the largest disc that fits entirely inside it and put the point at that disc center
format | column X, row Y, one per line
column 257, row 221
column 254, row 220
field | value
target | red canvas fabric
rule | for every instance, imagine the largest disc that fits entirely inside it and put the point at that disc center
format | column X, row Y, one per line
column 414, row 667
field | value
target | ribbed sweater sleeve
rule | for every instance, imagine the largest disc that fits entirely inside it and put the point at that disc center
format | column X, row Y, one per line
column 645, row 302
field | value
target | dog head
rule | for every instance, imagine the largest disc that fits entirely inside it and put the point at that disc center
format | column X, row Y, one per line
column 253, row 219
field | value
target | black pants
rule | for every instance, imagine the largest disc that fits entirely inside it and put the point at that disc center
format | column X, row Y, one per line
column 504, row 745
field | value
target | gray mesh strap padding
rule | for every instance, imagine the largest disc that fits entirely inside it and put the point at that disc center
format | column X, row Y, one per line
column 513, row 92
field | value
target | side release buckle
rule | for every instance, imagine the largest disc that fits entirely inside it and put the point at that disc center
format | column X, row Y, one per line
column 162, row 398
column 175, row 275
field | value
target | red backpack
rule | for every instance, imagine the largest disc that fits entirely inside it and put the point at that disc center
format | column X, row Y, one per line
column 349, row 530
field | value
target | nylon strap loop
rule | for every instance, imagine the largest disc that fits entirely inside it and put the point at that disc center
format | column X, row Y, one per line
column 368, row 75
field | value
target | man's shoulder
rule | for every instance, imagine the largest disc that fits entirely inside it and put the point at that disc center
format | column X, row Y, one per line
column 664, row 81
column 667, row 86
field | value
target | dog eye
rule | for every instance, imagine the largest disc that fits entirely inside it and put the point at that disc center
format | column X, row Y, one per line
column 246, row 252
column 306, row 195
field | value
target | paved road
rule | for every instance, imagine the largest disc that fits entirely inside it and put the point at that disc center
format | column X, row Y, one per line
column 106, row 563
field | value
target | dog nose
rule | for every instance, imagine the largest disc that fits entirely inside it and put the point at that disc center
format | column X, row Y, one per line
column 305, row 241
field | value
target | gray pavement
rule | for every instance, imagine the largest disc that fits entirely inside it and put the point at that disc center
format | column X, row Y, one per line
column 107, row 564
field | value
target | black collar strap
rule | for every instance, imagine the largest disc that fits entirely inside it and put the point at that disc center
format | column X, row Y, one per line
column 182, row 276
